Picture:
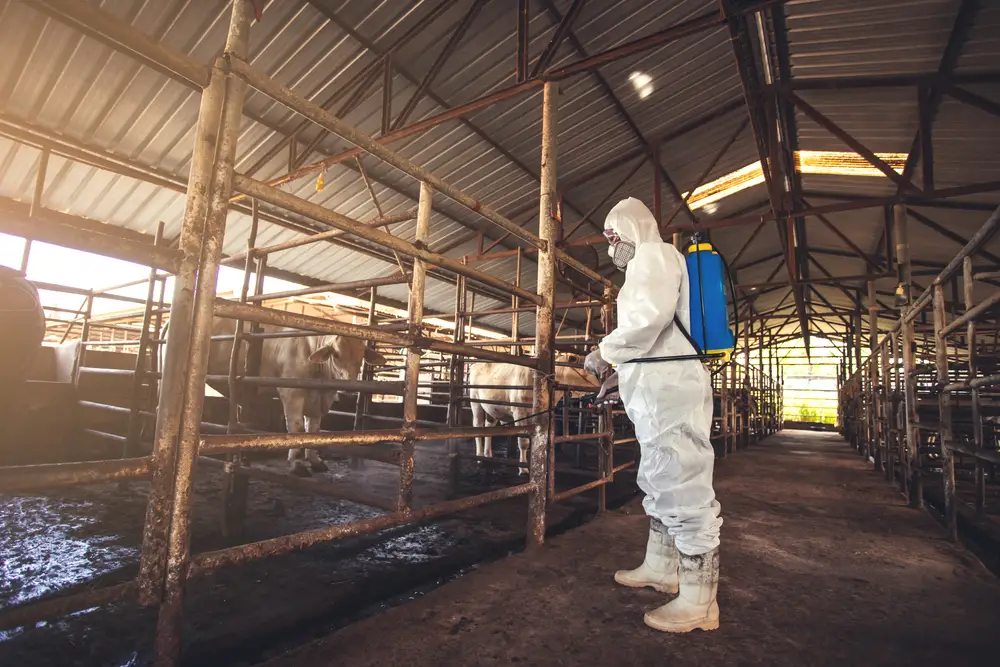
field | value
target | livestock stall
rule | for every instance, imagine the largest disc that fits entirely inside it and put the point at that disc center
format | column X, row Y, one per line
column 167, row 375
column 921, row 406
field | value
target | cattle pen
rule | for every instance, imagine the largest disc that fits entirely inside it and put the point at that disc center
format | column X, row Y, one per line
column 270, row 210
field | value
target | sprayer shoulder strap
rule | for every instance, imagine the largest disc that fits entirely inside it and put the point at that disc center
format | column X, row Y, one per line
column 687, row 335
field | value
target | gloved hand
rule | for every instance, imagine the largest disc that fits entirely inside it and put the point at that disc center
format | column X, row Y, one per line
column 595, row 363
column 609, row 391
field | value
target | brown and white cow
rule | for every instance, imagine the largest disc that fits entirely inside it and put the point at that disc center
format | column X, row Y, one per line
column 303, row 357
column 511, row 375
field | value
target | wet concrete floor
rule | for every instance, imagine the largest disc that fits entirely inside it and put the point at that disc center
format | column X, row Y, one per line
column 822, row 564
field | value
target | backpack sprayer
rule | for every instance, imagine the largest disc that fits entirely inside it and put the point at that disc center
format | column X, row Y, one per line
column 710, row 335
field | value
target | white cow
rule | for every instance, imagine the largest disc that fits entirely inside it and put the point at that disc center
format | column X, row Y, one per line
column 304, row 357
column 511, row 375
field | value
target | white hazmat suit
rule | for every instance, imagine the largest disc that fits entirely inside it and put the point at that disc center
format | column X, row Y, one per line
column 670, row 405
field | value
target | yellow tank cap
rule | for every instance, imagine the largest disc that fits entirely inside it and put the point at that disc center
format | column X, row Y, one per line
column 701, row 246
column 727, row 354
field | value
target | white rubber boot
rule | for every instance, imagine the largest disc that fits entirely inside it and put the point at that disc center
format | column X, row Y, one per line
column 659, row 569
column 695, row 608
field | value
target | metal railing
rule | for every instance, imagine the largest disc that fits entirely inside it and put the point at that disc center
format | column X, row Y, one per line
column 922, row 405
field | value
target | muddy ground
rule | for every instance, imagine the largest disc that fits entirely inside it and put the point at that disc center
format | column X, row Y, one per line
column 822, row 564
column 243, row 615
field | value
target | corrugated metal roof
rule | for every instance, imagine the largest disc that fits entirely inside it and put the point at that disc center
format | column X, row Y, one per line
column 54, row 78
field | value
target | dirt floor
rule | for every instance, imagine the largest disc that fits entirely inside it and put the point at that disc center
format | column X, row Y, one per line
column 242, row 615
column 822, row 565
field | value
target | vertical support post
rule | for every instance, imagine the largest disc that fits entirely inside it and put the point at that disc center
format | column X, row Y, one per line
column 236, row 487
column 733, row 414
column 979, row 477
column 387, row 73
column 914, row 482
column 926, row 123
column 724, row 405
column 515, row 303
column 221, row 159
column 364, row 401
column 658, row 190
column 415, row 315
column 944, row 421
column 774, row 389
column 88, row 311
column 747, row 388
column 178, row 343
column 875, row 443
column 903, row 267
column 885, row 410
column 544, row 349
column 456, row 375
column 761, row 390
column 36, row 205
column 523, row 40
column 141, row 370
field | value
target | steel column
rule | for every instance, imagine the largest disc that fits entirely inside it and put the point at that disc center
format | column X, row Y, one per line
column 548, row 230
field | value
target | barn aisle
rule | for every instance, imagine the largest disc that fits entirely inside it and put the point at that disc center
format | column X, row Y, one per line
column 822, row 565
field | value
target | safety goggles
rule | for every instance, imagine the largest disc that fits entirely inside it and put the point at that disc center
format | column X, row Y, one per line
column 611, row 235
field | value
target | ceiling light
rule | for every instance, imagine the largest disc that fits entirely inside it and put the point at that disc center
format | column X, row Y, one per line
column 643, row 84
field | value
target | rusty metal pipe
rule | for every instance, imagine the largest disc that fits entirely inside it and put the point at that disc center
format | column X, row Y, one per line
column 544, row 321
column 171, row 395
column 301, row 206
column 582, row 437
column 577, row 490
column 971, row 315
column 14, row 479
column 167, row 646
column 350, row 386
column 330, row 122
column 56, row 605
column 235, row 310
column 208, row 562
column 415, row 314
column 381, row 221
column 80, row 233
column 315, row 486
column 331, row 287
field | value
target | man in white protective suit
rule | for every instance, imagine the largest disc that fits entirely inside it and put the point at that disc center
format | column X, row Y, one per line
column 670, row 405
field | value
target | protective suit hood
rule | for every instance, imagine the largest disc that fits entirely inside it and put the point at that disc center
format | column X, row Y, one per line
column 632, row 221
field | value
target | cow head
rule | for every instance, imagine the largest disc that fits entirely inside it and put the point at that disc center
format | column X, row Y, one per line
column 571, row 374
column 344, row 355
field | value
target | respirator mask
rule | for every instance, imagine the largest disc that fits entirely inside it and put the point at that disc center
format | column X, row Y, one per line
column 620, row 250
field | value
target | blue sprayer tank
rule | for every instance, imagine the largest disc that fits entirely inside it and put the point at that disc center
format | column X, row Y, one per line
column 709, row 310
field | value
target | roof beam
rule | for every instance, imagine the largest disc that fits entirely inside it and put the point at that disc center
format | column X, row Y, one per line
column 960, row 30
column 609, row 92
column 851, row 142
column 708, row 170
column 753, row 235
column 558, row 35
column 788, row 141
column 746, row 63
column 327, row 10
column 972, row 99
column 912, row 201
column 949, row 234
column 846, row 239
column 857, row 204
column 449, row 48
